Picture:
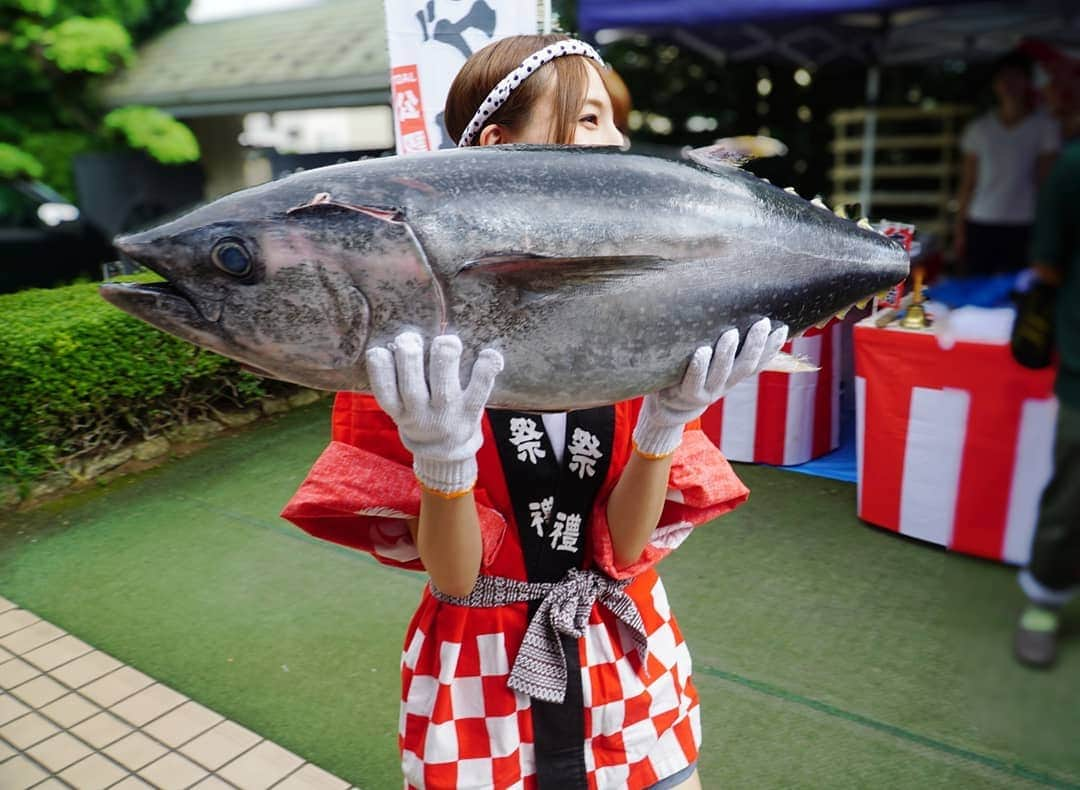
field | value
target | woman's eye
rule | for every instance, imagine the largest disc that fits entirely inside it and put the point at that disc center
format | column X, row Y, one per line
column 588, row 119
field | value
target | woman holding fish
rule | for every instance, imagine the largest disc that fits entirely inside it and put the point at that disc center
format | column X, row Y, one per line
column 543, row 653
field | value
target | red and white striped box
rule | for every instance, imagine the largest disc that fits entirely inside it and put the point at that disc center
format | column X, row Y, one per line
column 953, row 446
column 785, row 418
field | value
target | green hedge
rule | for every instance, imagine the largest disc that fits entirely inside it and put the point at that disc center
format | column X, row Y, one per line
column 78, row 376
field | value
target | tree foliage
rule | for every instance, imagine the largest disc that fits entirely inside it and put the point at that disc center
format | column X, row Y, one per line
column 53, row 54
column 155, row 132
column 16, row 163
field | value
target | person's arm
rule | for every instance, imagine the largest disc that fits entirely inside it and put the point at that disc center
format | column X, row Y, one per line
column 1047, row 273
column 968, row 175
column 635, row 505
column 1052, row 227
column 441, row 426
column 637, row 501
column 447, row 535
column 1043, row 166
column 1049, row 147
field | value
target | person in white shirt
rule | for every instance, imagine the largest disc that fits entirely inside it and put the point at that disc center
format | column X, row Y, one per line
column 1007, row 153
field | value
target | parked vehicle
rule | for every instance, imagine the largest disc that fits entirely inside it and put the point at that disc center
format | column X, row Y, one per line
column 44, row 239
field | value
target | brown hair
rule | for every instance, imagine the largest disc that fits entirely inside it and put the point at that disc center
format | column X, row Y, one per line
column 620, row 100
column 487, row 67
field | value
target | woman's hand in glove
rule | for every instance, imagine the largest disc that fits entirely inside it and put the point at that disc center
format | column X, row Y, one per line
column 438, row 422
column 711, row 374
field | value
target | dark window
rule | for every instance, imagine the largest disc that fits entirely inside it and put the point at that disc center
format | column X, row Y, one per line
column 17, row 209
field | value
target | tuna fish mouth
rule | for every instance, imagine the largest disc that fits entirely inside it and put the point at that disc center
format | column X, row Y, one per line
column 145, row 300
column 159, row 300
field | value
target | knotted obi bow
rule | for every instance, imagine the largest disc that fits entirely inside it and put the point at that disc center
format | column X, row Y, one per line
column 539, row 670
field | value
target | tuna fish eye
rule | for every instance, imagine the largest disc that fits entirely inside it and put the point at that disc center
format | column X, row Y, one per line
column 231, row 257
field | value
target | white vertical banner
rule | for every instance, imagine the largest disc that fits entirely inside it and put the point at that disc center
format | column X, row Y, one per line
column 429, row 41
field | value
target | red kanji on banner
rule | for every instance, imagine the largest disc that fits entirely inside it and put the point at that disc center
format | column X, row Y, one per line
column 903, row 233
column 408, row 110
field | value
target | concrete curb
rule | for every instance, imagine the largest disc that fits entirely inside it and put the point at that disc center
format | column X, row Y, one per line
column 141, row 454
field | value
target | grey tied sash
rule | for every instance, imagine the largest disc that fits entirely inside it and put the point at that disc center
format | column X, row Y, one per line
column 539, row 670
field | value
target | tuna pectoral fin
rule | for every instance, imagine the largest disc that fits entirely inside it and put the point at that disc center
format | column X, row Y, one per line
column 542, row 275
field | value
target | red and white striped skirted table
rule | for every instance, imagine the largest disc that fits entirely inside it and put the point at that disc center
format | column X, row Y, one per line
column 785, row 418
column 953, row 446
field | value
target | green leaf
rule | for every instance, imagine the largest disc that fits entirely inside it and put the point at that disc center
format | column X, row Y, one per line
column 154, row 131
column 56, row 151
column 43, row 8
column 16, row 163
column 96, row 45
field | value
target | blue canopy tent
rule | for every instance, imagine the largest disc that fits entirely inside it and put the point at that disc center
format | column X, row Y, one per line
column 879, row 31
column 812, row 33
column 868, row 34
column 598, row 14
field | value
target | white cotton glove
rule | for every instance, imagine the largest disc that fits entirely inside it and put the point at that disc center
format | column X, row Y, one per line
column 710, row 375
column 438, row 422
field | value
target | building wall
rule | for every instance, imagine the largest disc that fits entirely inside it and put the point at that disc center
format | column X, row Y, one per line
column 229, row 142
column 223, row 158
column 315, row 131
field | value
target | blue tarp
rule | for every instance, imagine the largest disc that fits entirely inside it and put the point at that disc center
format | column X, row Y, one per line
column 987, row 291
column 841, row 463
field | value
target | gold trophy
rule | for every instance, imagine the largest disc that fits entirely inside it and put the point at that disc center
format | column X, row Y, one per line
column 915, row 317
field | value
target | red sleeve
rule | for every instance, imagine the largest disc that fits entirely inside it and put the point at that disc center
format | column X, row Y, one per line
column 360, row 492
column 702, row 486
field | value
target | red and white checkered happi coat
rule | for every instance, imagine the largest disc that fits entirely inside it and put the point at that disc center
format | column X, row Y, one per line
column 461, row 726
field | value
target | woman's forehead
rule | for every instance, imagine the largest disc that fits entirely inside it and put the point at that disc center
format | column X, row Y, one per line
column 597, row 91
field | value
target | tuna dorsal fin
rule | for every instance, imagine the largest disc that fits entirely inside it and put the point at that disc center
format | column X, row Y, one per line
column 735, row 151
column 715, row 157
column 538, row 276
column 323, row 200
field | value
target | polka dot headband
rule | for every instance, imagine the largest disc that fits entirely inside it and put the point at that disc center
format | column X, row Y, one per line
column 501, row 92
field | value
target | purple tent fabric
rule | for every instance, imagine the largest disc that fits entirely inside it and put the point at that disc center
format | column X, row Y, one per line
column 596, row 14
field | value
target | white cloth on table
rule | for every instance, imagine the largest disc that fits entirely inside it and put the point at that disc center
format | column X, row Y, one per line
column 971, row 324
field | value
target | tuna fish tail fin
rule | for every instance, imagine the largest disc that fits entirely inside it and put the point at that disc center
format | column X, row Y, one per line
column 791, row 363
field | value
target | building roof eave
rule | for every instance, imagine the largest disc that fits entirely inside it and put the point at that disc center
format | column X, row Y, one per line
column 298, row 95
column 327, row 54
column 240, row 106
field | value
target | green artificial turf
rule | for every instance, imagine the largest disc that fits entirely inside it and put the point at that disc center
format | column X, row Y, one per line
column 827, row 653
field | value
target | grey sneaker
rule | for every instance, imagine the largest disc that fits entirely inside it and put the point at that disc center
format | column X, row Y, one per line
column 1035, row 641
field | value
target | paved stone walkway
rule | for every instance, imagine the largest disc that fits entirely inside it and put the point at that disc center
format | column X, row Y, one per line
column 72, row 716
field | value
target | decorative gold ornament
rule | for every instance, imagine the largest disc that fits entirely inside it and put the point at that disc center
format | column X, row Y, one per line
column 915, row 317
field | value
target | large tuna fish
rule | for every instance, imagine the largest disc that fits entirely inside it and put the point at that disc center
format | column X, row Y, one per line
column 595, row 272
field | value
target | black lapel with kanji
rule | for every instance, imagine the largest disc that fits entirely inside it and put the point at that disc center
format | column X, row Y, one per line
column 552, row 503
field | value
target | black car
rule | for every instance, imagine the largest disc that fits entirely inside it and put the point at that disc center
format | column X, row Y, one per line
column 44, row 240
